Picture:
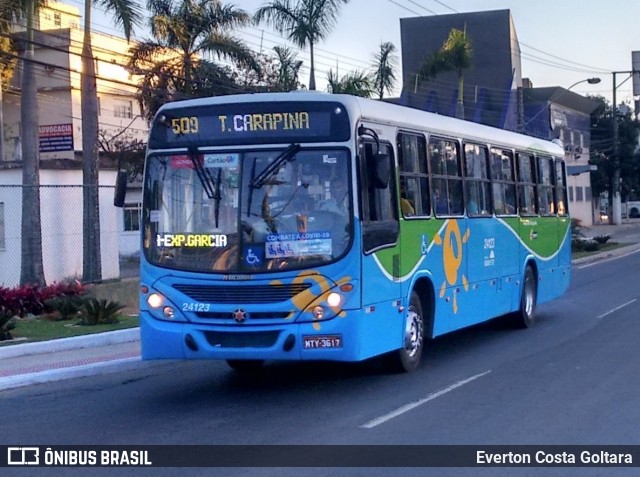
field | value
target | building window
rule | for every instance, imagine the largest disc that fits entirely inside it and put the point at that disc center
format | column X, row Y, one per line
column 132, row 217
column 57, row 19
column 579, row 194
column 122, row 109
column 588, row 196
column 2, row 239
column 571, row 194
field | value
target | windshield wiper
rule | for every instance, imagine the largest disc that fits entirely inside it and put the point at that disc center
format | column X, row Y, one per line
column 210, row 185
column 272, row 169
column 203, row 174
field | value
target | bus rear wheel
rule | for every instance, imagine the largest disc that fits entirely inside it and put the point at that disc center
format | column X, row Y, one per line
column 526, row 314
column 245, row 366
column 407, row 358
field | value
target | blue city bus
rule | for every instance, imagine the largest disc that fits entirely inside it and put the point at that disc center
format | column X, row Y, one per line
column 309, row 226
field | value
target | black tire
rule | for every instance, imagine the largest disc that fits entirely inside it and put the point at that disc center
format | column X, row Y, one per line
column 407, row 358
column 246, row 366
column 526, row 314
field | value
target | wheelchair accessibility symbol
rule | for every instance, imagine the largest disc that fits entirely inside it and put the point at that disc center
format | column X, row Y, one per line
column 253, row 258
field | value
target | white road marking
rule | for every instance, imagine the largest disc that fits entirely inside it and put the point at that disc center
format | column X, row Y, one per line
column 408, row 407
column 618, row 308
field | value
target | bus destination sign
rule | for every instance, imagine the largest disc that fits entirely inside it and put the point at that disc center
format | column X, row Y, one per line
column 250, row 124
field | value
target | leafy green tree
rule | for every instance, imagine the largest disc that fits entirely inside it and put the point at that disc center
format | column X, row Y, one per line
column 385, row 66
column 601, row 152
column 288, row 69
column 356, row 83
column 455, row 55
column 126, row 14
column 305, row 22
column 185, row 33
column 279, row 73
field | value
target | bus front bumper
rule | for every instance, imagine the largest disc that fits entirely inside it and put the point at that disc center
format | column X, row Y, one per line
column 292, row 341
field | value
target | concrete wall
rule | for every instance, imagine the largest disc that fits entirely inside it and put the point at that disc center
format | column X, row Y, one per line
column 62, row 228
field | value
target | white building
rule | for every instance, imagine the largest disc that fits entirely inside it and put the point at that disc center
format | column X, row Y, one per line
column 62, row 228
column 58, row 46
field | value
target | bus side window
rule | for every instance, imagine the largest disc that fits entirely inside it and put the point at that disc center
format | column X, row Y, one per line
column 478, row 183
column 504, row 183
column 414, row 179
column 446, row 173
column 561, row 188
column 527, row 188
column 546, row 186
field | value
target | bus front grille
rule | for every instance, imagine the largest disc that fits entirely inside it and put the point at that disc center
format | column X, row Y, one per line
column 242, row 339
column 242, row 294
column 226, row 315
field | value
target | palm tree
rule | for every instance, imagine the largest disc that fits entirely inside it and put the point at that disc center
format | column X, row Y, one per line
column 455, row 55
column 305, row 22
column 356, row 83
column 174, row 64
column 31, row 268
column 289, row 68
column 126, row 14
column 385, row 64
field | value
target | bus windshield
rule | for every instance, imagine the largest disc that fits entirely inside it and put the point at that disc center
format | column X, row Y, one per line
column 247, row 211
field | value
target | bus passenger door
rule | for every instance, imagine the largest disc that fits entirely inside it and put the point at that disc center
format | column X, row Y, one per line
column 382, row 327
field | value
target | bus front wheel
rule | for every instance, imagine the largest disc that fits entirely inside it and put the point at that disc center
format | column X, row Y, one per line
column 525, row 316
column 407, row 358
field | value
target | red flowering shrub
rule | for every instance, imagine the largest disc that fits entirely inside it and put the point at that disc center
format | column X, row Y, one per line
column 26, row 299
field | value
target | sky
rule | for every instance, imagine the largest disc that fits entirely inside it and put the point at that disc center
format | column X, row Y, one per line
column 562, row 41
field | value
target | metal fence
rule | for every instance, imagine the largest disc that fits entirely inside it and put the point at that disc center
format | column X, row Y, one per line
column 62, row 234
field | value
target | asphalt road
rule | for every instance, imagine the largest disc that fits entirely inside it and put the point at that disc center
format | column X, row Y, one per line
column 571, row 379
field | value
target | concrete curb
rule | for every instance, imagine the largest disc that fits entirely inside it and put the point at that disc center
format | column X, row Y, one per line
column 76, row 342
column 94, row 369
column 619, row 252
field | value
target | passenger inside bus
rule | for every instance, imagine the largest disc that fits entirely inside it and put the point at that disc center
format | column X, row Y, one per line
column 338, row 202
column 405, row 204
column 440, row 202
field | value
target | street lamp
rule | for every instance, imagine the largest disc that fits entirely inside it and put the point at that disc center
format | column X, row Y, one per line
column 594, row 80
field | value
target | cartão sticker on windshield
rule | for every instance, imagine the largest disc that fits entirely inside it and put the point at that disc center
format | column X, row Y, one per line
column 223, row 161
column 298, row 244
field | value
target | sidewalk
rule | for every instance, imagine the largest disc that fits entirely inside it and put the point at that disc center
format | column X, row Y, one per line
column 54, row 360
column 101, row 353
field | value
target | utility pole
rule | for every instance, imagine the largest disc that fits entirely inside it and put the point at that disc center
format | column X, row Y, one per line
column 616, row 208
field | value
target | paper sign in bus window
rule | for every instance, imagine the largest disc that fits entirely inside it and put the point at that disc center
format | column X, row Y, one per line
column 224, row 161
column 298, row 245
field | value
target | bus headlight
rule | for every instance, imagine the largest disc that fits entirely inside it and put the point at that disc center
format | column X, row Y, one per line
column 155, row 300
column 318, row 312
column 334, row 299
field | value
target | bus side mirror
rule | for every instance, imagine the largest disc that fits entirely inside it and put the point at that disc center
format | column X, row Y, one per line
column 121, row 189
column 380, row 168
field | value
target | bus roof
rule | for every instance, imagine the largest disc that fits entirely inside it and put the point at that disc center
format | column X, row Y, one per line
column 392, row 114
